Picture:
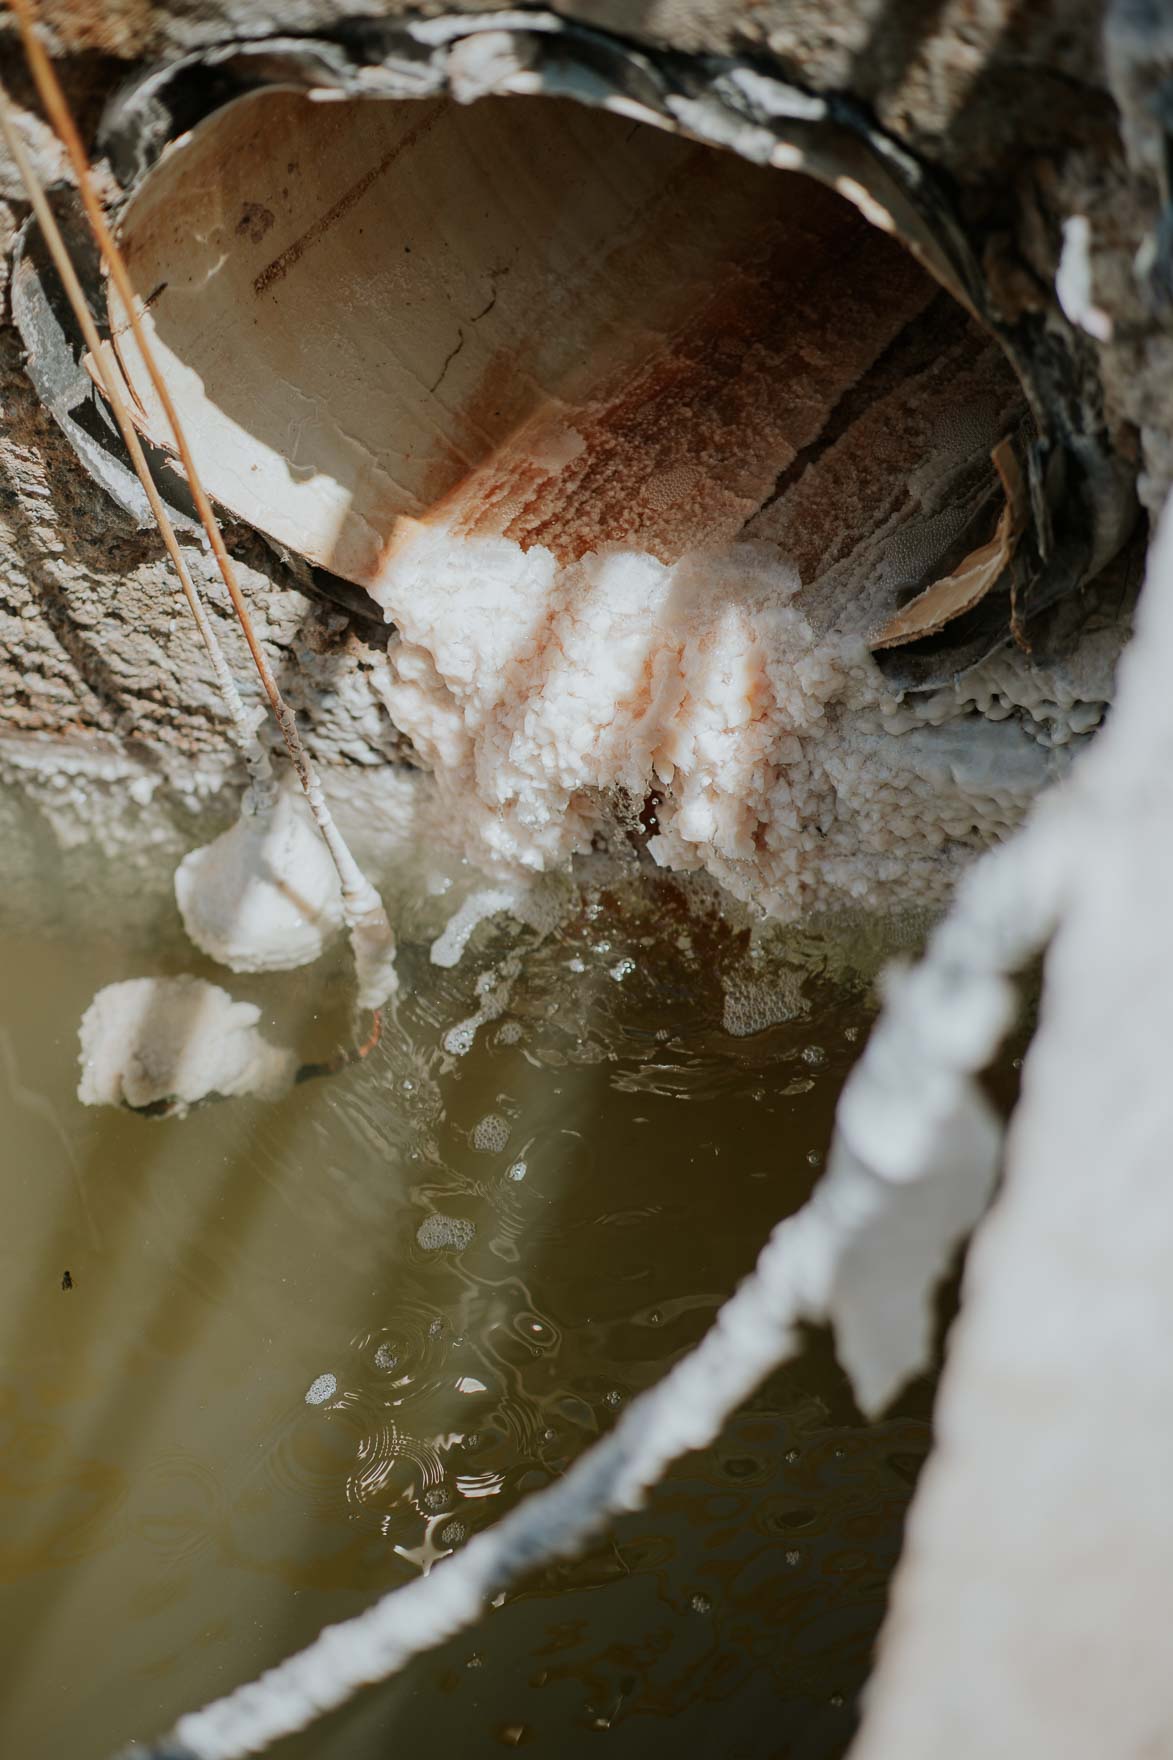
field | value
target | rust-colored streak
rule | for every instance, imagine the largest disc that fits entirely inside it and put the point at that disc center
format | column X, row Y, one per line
column 683, row 451
column 277, row 270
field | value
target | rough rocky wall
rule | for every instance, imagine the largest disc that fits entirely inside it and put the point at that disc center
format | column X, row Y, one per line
column 1009, row 100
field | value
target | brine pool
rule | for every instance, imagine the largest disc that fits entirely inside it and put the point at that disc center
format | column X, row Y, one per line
column 265, row 1362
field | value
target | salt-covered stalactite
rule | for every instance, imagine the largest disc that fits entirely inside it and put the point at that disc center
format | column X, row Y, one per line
column 265, row 895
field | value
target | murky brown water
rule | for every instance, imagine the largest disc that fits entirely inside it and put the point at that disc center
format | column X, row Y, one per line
column 309, row 1347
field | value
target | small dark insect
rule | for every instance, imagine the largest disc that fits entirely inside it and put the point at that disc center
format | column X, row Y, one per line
column 67, row 1281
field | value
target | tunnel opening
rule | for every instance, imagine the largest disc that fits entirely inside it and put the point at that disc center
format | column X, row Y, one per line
column 532, row 319
column 646, row 451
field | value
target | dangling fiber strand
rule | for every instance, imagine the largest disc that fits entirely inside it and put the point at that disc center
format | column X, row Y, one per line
column 106, row 370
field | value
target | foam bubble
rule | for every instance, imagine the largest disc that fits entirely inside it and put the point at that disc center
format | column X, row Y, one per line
column 440, row 1233
column 753, row 1004
column 320, row 1390
column 490, row 1134
column 459, row 1039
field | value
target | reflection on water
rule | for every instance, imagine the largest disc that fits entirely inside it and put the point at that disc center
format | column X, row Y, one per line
column 308, row 1348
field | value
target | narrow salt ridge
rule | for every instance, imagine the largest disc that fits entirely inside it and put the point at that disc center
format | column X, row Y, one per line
column 542, row 694
column 479, row 907
column 172, row 1042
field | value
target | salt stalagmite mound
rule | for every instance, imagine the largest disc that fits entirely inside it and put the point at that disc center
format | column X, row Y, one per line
column 539, row 691
column 172, row 1041
column 264, row 897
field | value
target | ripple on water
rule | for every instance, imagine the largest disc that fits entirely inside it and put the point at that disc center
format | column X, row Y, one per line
column 540, row 1334
column 406, row 1356
column 396, row 1471
column 428, row 1369
column 178, row 1506
column 308, row 1461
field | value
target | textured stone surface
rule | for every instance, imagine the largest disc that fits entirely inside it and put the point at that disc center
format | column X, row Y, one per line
column 94, row 635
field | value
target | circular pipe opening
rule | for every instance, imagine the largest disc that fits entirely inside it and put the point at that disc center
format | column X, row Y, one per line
column 640, row 446
column 532, row 319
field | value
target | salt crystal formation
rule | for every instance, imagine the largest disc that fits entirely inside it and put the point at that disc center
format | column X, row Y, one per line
column 477, row 908
column 541, row 692
column 264, row 897
column 173, row 1041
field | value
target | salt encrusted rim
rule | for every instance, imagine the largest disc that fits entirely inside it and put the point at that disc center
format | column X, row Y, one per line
column 1082, row 497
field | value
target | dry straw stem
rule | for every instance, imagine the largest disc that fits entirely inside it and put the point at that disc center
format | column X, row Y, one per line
column 364, row 909
column 107, row 374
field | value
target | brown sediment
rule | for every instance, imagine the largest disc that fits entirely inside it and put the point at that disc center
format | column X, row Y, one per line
column 684, row 452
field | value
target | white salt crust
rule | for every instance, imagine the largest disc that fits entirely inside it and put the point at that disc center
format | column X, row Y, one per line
column 541, row 694
column 264, row 897
column 175, row 1041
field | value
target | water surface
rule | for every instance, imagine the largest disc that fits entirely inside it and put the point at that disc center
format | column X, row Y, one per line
column 263, row 1363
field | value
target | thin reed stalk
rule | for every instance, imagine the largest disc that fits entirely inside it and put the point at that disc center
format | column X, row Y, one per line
column 106, row 371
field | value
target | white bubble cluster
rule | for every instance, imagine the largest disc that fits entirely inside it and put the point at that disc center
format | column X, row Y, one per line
column 439, row 1233
column 491, row 1133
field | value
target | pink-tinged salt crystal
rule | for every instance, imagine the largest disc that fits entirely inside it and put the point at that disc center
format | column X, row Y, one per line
column 541, row 693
